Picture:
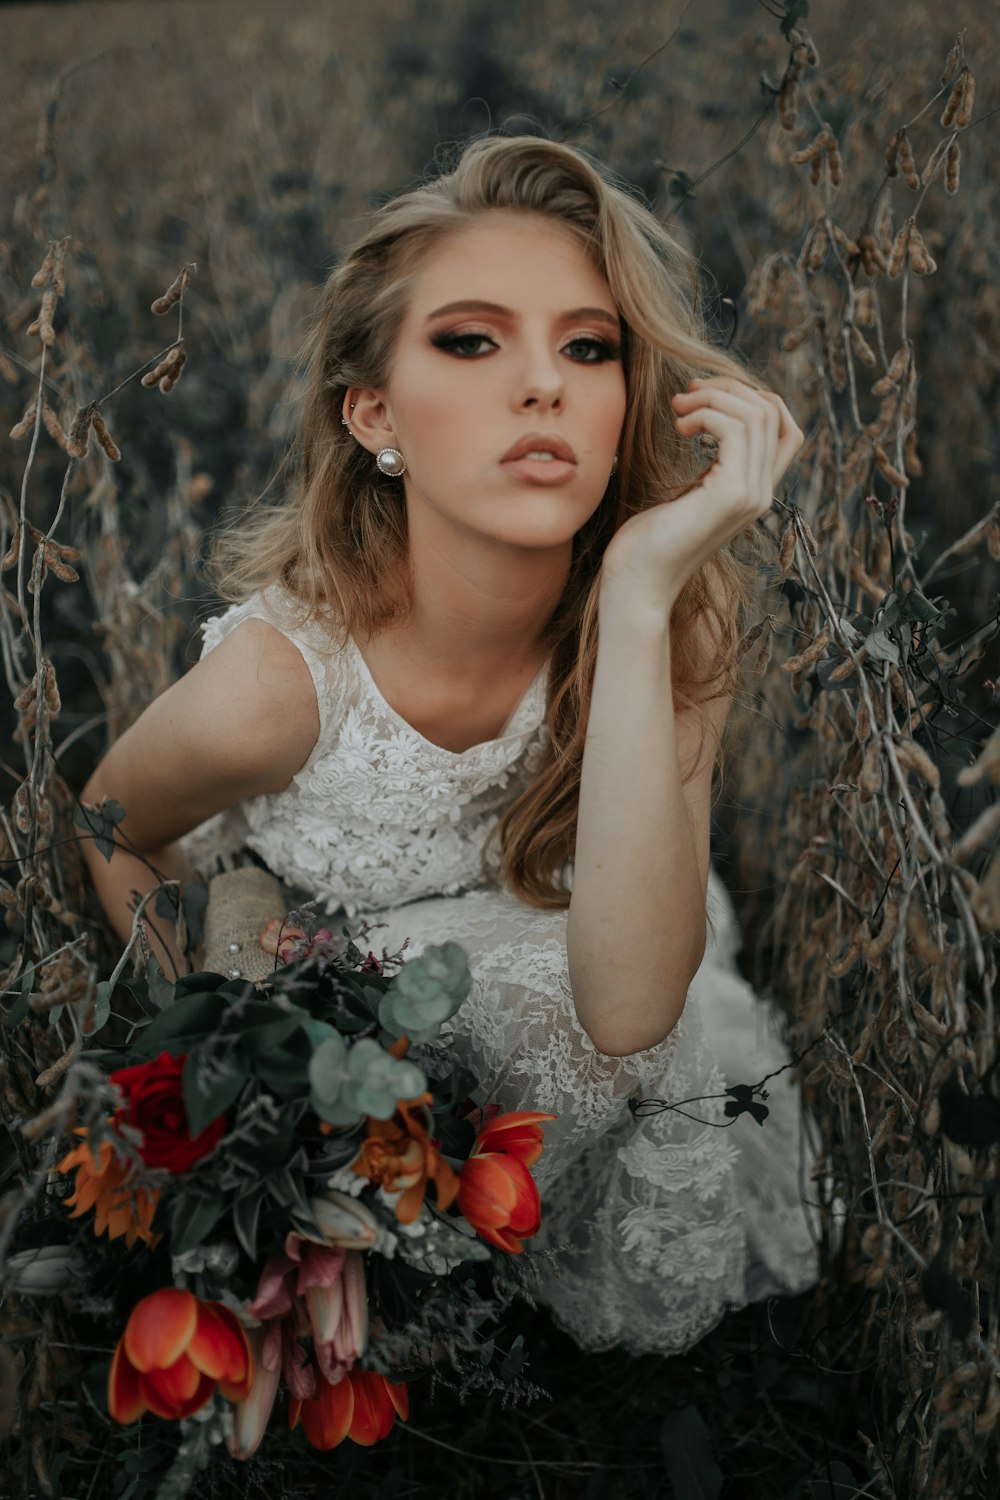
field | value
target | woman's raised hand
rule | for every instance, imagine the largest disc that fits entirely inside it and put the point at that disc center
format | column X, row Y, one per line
column 654, row 553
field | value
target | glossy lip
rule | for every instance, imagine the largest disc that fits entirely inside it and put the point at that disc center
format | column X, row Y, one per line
column 538, row 442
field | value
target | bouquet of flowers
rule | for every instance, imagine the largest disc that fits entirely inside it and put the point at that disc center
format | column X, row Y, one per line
column 282, row 1186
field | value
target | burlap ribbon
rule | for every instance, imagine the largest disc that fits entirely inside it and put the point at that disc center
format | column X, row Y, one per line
column 240, row 902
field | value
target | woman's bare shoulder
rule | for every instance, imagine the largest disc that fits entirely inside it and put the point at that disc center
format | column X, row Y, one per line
column 239, row 724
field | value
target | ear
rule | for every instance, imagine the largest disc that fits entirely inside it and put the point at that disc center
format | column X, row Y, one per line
column 366, row 411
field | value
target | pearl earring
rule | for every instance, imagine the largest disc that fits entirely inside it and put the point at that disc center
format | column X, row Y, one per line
column 614, row 464
column 391, row 462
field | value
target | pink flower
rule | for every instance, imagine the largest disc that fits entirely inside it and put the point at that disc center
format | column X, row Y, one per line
column 312, row 1289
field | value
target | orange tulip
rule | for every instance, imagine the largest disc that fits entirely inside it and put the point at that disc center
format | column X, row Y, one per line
column 496, row 1191
column 101, row 1185
column 175, row 1352
column 361, row 1406
column 498, row 1196
column 400, row 1155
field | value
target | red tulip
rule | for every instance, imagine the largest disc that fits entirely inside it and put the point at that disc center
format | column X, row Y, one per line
column 498, row 1196
column 496, row 1191
column 516, row 1135
column 176, row 1351
column 361, row 1406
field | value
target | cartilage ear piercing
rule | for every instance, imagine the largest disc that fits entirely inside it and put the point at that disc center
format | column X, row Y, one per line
column 391, row 462
column 346, row 421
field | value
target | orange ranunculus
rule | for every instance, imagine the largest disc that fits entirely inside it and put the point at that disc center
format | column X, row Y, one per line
column 496, row 1191
column 175, row 1352
column 100, row 1185
column 400, row 1155
column 361, row 1406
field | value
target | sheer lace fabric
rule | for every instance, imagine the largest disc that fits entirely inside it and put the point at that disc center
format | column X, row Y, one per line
column 656, row 1224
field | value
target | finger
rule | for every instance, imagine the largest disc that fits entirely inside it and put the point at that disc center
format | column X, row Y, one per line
column 790, row 436
column 761, row 425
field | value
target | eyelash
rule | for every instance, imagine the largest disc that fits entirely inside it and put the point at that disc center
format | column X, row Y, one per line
column 606, row 349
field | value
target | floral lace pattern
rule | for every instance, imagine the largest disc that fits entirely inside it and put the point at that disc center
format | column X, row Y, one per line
column 377, row 815
column 652, row 1226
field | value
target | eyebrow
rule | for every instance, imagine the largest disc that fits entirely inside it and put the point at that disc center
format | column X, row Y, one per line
column 504, row 312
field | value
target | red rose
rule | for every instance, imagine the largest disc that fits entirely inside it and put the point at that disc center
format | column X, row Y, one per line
column 154, row 1104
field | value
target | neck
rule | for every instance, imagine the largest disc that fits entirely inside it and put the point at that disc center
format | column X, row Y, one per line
column 481, row 607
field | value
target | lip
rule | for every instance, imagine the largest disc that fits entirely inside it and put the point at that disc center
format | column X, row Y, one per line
column 540, row 442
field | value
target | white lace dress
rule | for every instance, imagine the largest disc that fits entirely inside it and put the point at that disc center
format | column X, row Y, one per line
column 659, row 1223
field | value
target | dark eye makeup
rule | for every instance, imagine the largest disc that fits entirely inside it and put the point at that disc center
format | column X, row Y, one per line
column 602, row 349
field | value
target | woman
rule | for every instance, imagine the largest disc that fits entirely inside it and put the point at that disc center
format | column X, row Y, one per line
column 474, row 685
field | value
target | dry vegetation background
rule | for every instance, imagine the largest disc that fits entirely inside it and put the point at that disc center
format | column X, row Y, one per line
column 858, row 827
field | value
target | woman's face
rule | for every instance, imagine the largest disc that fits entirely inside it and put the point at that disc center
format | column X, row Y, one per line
column 510, row 334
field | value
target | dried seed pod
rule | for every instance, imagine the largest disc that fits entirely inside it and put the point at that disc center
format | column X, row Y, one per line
column 886, row 1126
column 871, row 255
column 747, row 639
column 50, row 688
column 174, row 374
column 915, row 758
column 908, row 165
column 7, row 370
column 13, row 551
column 952, row 168
column 863, row 724
column 875, row 948
column 993, row 540
column 53, row 427
column 175, row 356
column 898, row 255
column 870, row 775
column 786, row 550
column 987, row 764
column 808, row 153
column 836, row 162
column 174, row 292
column 865, row 309
column 932, row 162
column 46, row 332
column 955, row 99
column 44, row 273
column 817, row 249
column 763, row 661
column 79, row 433
column 788, row 103
column 965, row 111
column 920, row 259
column 59, row 266
column 59, row 567
column 891, row 153
column 27, row 422
column 846, row 961
column 845, row 242
column 105, row 439
column 951, row 63
column 862, row 348
column 891, row 473
column 22, row 808
column 816, row 169
column 810, row 539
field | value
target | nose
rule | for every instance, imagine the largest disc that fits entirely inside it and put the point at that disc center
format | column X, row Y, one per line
column 540, row 381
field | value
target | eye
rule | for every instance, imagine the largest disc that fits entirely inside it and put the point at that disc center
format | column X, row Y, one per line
column 452, row 342
column 597, row 349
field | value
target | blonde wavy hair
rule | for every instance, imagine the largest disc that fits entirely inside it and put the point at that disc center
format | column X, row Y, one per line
column 340, row 532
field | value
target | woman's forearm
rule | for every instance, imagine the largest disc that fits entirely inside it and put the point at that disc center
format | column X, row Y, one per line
column 636, row 925
column 118, row 880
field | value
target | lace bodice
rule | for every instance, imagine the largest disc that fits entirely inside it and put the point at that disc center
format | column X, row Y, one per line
column 378, row 815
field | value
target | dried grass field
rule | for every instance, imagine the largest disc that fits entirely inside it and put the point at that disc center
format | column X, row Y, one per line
column 835, row 169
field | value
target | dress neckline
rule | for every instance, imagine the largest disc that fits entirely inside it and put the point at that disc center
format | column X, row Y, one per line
column 510, row 730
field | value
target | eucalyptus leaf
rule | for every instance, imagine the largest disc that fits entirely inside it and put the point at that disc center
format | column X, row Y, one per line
column 100, row 823
column 161, row 990
column 187, row 1022
column 328, row 1069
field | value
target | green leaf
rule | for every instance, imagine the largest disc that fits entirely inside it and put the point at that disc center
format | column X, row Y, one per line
column 208, row 1097
column 161, row 991
column 102, row 1006
column 100, row 823
column 328, row 1069
column 192, row 1220
column 687, row 1455
column 246, row 1218
column 284, row 1071
column 185, row 1023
